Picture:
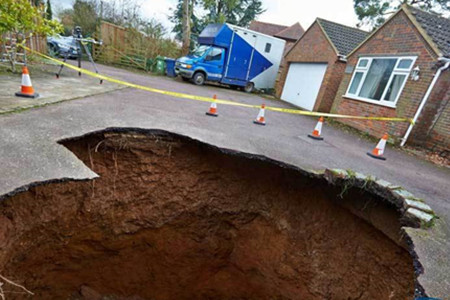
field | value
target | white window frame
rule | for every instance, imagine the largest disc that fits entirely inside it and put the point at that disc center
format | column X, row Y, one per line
column 395, row 71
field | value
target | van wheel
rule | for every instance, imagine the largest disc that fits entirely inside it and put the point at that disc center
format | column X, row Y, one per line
column 198, row 79
column 249, row 87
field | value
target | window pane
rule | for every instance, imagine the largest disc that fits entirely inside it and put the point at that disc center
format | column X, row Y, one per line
column 395, row 87
column 215, row 54
column 355, row 83
column 363, row 63
column 405, row 64
column 377, row 78
column 200, row 51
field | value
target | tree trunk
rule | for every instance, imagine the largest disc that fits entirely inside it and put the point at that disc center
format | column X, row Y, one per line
column 186, row 28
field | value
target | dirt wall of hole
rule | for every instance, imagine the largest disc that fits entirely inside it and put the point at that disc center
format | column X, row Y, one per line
column 170, row 218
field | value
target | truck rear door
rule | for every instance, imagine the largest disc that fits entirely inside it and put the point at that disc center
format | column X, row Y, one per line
column 241, row 52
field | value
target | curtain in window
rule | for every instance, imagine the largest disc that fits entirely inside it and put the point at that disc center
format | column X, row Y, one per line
column 377, row 78
column 394, row 88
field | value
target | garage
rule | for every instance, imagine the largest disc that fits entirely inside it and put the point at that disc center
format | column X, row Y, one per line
column 303, row 84
column 313, row 68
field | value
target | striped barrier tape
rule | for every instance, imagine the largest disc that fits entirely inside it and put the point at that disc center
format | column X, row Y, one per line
column 207, row 99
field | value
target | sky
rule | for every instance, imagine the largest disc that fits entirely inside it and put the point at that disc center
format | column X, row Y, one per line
column 284, row 12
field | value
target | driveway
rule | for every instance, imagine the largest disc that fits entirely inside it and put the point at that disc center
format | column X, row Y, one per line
column 29, row 152
column 50, row 89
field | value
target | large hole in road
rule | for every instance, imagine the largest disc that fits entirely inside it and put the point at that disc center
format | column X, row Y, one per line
column 173, row 218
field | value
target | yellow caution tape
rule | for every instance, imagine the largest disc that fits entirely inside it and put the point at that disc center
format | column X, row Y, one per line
column 207, row 99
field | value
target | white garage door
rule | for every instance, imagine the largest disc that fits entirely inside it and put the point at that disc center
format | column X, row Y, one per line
column 303, row 83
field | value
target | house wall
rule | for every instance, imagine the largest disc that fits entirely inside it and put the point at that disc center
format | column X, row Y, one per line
column 432, row 129
column 288, row 46
column 397, row 37
column 314, row 47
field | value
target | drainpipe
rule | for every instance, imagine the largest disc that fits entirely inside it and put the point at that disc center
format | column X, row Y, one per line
column 425, row 98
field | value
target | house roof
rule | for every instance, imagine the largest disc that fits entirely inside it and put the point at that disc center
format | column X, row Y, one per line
column 344, row 38
column 266, row 28
column 291, row 33
column 433, row 28
column 436, row 27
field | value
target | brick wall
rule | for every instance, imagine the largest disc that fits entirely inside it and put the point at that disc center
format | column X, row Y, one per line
column 396, row 38
column 331, row 82
column 314, row 47
column 432, row 129
column 288, row 47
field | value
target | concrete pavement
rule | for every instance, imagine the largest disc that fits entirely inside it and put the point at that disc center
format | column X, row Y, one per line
column 29, row 152
column 50, row 89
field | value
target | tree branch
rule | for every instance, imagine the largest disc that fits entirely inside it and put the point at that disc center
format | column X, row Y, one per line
column 15, row 284
column 2, row 295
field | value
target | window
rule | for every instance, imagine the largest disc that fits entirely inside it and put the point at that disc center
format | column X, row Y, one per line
column 268, row 47
column 380, row 79
column 405, row 64
column 215, row 54
column 377, row 78
column 200, row 51
column 363, row 63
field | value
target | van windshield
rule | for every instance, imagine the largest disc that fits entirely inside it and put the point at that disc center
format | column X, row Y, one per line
column 200, row 51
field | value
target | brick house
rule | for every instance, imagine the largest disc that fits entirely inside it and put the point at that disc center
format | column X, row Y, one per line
column 401, row 70
column 312, row 70
column 288, row 33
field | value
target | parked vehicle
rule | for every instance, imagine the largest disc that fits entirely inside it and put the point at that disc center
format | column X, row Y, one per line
column 234, row 56
column 62, row 45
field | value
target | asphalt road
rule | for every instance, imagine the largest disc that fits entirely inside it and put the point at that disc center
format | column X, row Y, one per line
column 29, row 152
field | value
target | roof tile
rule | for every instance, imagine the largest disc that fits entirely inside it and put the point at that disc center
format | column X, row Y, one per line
column 437, row 27
column 344, row 38
column 291, row 33
column 266, row 28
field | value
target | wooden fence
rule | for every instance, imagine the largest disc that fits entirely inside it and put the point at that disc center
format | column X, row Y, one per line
column 130, row 48
column 37, row 43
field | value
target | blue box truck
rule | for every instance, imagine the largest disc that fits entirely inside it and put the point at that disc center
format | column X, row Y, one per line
column 234, row 56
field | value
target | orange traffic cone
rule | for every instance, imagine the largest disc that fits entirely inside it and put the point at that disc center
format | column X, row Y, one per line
column 260, row 118
column 27, row 89
column 317, row 130
column 379, row 149
column 213, row 108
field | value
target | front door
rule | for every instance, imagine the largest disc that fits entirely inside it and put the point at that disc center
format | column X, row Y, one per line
column 213, row 63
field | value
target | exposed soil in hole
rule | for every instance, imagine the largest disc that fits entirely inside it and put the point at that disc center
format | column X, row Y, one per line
column 171, row 218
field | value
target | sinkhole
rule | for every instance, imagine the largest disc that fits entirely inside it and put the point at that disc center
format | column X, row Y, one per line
column 174, row 218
